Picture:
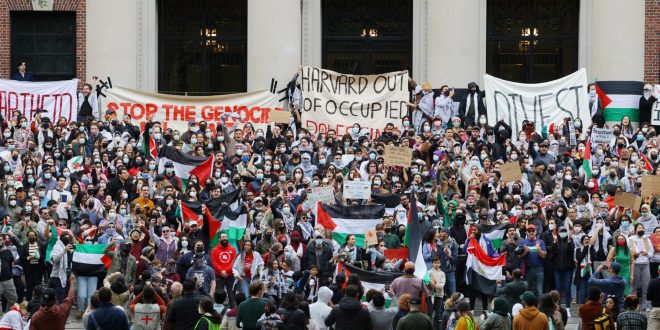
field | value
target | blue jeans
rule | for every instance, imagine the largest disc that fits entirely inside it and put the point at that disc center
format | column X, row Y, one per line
column 450, row 283
column 245, row 285
column 86, row 288
column 583, row 282
column 534, row 279
column 563, row 283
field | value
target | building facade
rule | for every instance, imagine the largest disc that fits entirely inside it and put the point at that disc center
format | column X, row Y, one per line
column 206, row 47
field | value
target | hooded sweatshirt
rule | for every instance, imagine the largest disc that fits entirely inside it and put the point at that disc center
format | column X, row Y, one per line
column 319, row 310
column 530, row 318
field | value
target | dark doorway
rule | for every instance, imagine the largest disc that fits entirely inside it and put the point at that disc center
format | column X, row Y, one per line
column 532, row 41
column 46, row 41
column 202, row 46
column 367, row 36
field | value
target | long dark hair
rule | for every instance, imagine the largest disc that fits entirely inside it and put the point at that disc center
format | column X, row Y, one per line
column 624, row 247
column 547, row 305
column 206, row 304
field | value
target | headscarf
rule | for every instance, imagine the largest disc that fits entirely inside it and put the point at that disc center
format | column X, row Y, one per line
column 500, row 307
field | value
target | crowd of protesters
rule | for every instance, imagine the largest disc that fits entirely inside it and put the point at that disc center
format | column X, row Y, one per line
column 567, row 243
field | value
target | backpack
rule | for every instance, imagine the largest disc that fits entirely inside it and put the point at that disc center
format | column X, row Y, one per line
column 272, row 322
column 602, row 322
column 209, row 324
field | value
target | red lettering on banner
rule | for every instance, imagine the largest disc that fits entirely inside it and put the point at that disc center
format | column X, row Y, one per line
column 151, row 109
column 137, row 111
column 179, row 112
column 207, row 112
column 168, row 111
column 339, row 129
column 190, row 112
column 126, row 106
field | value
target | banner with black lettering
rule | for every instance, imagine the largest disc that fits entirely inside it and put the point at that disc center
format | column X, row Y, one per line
column 548, row 102
column 336, row 101
column 176, row 111
column 58, row 98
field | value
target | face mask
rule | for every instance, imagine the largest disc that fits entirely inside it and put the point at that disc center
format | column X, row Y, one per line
column 318, row 241
column 577, row 229
column 563, row 234
column 276, row 167
column 427, row 128
column 552, row 226
column 514, row 157
column 193, row 141
column 12, row 202
column 112, row 215
column 621, row 242
column 356, row 130
column 193, row 193
column 599, row 225
column 640, row 233
column 124, row 196
column 184, row 244
column 47, row 176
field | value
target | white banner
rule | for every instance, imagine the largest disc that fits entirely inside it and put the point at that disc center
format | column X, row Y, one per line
column 58, row 98
column 357, row 189
column 548, row 102
column 602, row 135
column 655, row 112
column 176, row 111
column 336, row 101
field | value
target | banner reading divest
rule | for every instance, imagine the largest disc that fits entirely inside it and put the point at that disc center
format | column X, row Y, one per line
column 58, row 98
column 176, row 111
column 336, row 101
column 549, row 102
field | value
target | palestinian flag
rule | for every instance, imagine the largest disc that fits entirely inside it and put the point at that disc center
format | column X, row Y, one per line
column 602, row 96
column 495, row 233
column 226, row 215
column 413, row 239
column 75, row 164
column 149, row 147
column 54, row 236
column 586, row 161
column 185, row 165
column 625, row 99
column 369, row 279
column 88, row 259
column 443, row 206
column 345, row 220
column 482, row 270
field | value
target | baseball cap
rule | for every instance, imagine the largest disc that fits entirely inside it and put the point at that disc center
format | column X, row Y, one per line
column 531, row 226
column 615, row 266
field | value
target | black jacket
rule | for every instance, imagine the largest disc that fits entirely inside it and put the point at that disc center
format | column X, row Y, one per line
column 323, row 263
column 294, row 319
column 23, row 252
column 561, row 254
column 349, row 315
column 6, row 263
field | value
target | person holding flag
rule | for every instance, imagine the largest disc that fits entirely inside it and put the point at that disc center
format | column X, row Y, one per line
column 481, row 253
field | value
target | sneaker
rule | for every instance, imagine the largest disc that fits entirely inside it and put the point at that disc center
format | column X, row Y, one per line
column 568, row 313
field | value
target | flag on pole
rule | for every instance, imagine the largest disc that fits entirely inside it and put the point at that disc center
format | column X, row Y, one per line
column 54, row 236
column 413, row 239
column 346, row 220
column 185, row 165
column 495, row 233
column 88, row 259
column 586, row 161
column 482, row 270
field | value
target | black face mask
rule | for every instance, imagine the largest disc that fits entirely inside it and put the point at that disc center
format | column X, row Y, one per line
column 199, row 249
column 387, row 230
column 126, row 249
column 66, row 240
column 224, row 242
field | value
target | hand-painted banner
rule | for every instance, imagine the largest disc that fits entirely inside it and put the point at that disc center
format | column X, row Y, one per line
column 548, row 102
column 336, row 101
column 176, row 111
column 58, row 98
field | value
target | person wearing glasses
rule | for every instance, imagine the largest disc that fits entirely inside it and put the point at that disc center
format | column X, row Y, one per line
column 533, row 256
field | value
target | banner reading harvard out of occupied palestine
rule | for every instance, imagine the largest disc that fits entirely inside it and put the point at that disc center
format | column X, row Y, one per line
column 548, row 102
column 176, row 111
column 58, row 98
column 336, row 101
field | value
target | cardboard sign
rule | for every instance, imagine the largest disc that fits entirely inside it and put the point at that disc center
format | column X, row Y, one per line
column 655, row 238
column 370, row 237
column 322, row 194
column 627, row 200
column 357, row 189
column 650, row 185
column 511, row 172
column 398, row 156
column 280, row 117
column 602, row 135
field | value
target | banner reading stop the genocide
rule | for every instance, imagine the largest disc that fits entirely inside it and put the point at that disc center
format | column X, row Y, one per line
column 176, row 111
column 336, row 101
column 58, row 98
column 548, row 102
